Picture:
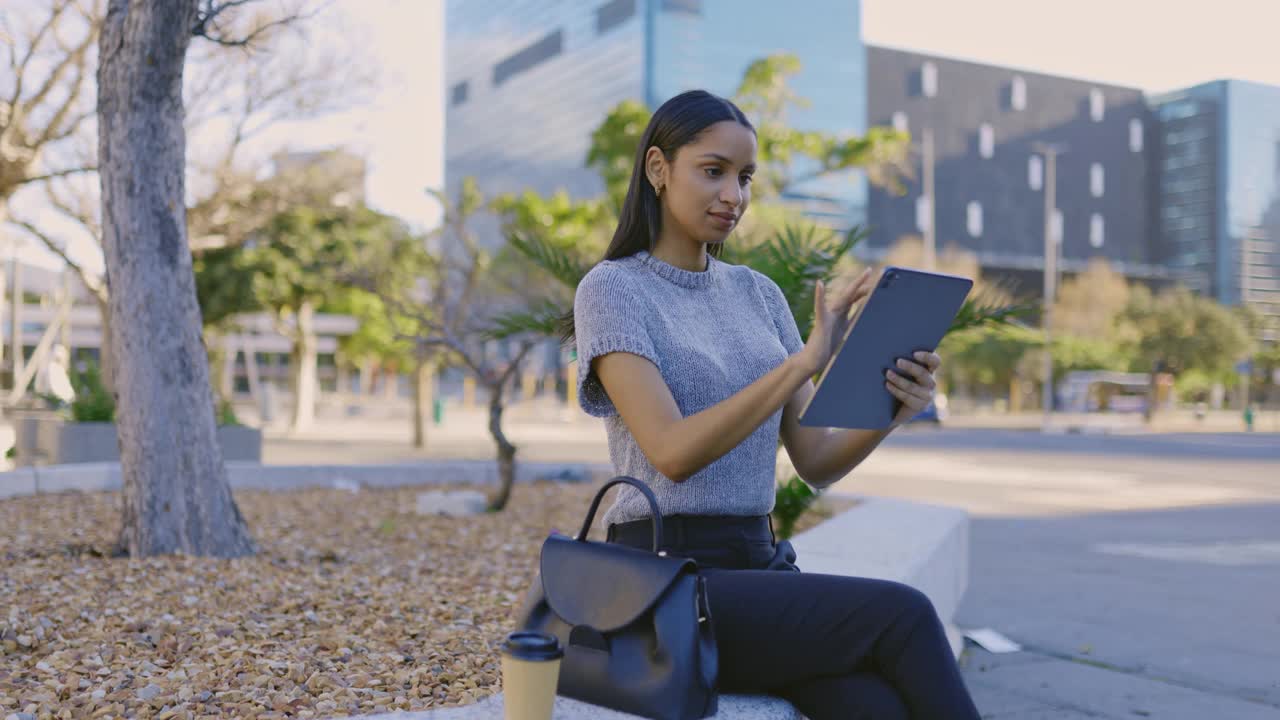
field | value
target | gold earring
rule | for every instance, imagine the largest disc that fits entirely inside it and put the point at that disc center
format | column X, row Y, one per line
column 657, row 190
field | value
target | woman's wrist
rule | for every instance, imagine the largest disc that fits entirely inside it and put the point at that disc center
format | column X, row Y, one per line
column 803, row 365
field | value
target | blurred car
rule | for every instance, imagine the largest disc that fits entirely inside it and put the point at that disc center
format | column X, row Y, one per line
column 935, row 412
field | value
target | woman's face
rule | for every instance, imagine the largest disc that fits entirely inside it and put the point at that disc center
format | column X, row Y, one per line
column 708, row 186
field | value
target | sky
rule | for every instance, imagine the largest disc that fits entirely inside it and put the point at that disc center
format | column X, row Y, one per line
column 1154, row 45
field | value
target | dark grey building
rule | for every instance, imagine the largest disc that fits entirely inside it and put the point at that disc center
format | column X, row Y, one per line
column 989, row 181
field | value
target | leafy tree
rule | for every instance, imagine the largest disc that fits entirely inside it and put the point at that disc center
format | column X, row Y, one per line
column 224, row 289
column 1181, row 331
column 1075, row 352
column 1089, row 304
column 456, row 307
column 988, row 357
column 300, row 259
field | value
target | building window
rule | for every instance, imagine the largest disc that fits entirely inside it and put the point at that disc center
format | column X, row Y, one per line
column 612, row 14
column 929, row 79
column 1097, row 104
column 540, row 51
column 691, row 7
column 1056, row 228
column 973, row 219
column 1096, row 230
column 1018, row 93
column 1135, row 135
column 922, row 214
column 1096, row 179
column 986, row 140
column 900, row 121
column 459, row 93
column 1035, row 172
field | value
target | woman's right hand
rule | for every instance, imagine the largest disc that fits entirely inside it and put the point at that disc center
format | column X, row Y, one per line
column 831, row 321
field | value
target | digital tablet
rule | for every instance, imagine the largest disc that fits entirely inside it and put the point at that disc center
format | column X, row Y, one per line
column 908, row 311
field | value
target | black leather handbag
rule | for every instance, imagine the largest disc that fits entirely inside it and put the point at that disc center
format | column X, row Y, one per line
column 635, row 625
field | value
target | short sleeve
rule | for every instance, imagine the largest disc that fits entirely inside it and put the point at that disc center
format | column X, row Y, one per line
column 783, row 320
column 607, row 318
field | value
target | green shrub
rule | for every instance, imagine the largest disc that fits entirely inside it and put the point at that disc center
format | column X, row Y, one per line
column 793, row 498
column 92, row 402
column 227, row 414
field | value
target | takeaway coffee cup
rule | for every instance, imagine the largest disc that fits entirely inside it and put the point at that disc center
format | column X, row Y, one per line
column 530, row 672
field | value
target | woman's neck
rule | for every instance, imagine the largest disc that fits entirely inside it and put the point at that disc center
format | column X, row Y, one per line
column 684, row 254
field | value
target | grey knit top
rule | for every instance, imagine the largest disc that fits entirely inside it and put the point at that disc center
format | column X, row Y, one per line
column 710, row 334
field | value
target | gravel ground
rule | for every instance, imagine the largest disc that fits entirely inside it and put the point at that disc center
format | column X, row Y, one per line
column 354, row 604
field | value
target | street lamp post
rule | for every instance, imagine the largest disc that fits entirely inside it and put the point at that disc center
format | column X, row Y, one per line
column 927, row 223
column 930, row 232
column 1051, row 246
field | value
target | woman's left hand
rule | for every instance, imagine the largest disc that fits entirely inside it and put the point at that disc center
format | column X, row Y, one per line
column 912, row 382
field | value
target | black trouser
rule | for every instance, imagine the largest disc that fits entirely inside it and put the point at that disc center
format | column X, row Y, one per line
column 834, row 646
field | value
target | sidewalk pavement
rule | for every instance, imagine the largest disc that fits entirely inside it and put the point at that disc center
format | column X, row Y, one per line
column 1037, row 685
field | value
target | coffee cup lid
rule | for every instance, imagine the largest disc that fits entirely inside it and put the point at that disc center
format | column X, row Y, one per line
column 528, row 645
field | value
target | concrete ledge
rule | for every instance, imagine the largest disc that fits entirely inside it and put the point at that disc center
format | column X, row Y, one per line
column 746, row 707
column 925, row 546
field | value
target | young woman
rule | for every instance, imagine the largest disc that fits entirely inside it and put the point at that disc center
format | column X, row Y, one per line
column 697, row 367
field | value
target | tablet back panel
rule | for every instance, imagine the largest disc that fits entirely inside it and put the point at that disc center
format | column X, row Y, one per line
column 909, row 310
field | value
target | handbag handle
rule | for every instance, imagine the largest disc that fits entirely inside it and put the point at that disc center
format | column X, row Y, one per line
column 644, row 490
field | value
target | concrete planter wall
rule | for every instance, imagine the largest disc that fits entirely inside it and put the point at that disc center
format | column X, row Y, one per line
column 49, row 439
column 240, row 442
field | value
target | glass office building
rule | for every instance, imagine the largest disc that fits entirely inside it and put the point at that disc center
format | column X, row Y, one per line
column 1220, row 189
column 1187, row 191
column 527, row 81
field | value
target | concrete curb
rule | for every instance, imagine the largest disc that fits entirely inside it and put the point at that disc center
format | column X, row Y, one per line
column 95, row 477
column 925, row 546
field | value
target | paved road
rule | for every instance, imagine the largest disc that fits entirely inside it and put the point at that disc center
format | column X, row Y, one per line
column 1141, row 573
column 1166, row 613
column 1026, row 473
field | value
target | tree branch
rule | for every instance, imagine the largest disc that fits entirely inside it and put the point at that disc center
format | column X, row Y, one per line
column 70, row 129
column 58, row 174
column 85, row 216
column 207, row 27
column 95, row 286
column 77, row 58
column 20, row 70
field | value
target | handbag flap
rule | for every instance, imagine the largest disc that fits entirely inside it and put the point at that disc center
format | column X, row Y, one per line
column 604, row 585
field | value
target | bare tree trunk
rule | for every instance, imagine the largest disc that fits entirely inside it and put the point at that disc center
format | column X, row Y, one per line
column 106, row 357
column 176, row 494
column 424, row 376
column 506, row 451
column 220, row 362
column 304, row 369
column 366, row 375
column 390, row 382
column 226, row 369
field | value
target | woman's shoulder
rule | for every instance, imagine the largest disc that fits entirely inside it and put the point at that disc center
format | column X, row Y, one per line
column 607, row 277
column 748, row 277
